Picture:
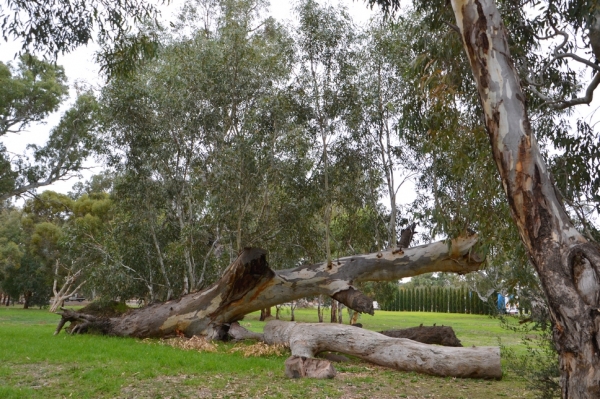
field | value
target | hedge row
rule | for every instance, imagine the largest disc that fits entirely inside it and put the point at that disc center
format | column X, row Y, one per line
column 443, row 300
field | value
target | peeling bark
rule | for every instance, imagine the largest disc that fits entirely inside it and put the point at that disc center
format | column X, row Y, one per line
column 248, row 284
column 567, row 265
column 306, row 340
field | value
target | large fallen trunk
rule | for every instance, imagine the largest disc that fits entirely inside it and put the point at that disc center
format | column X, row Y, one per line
column 567, row 264
column 249, row 284
column 308, row 339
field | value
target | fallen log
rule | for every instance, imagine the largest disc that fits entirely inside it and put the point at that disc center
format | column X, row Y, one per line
column 308, row 339
column 249, row 284
column 432, row 335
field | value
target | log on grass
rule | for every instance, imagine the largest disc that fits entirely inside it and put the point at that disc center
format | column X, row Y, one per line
column 308, row 339
column 249, row 284
column 433, row 335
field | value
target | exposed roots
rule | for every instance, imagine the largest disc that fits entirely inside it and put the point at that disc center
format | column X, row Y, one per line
column 82, row 322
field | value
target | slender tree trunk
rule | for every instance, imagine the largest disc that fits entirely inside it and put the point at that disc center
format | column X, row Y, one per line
column 266, row 312
column 292, row 308
column 320, row 308
column 334, row 306
column 27, row 299
column 189, row 261
column 568, row 266
column 163, row 269
column 354, row 318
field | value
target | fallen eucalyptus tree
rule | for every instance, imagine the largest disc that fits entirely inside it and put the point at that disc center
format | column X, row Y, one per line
column 306, row 340
column 249, row 284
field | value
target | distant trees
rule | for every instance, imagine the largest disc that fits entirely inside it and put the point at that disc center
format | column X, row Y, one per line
column 218, row 144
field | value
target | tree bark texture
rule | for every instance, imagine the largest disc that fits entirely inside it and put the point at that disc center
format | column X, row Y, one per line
column 568, row 266
column 308, row 339
column 248, row 284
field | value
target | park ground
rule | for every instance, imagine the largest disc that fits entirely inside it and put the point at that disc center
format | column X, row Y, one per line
column 36, row 364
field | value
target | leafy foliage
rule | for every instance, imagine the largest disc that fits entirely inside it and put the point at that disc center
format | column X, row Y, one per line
column 56, row 27
column 29, row 93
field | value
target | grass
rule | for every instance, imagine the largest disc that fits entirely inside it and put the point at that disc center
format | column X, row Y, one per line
column 36, row 364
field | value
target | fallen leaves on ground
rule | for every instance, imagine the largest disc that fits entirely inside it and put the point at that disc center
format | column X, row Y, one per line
column 260, row 349
column 197, row 343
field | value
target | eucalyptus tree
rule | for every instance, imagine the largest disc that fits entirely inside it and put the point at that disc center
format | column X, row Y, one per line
column 565, row 261
column 28, row 94
column 32, row 247
column 326, row 50
column 380, row 113
column 207, row 139
column 54, row 27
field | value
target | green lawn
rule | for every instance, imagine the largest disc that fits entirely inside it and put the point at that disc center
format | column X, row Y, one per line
column 36, row 364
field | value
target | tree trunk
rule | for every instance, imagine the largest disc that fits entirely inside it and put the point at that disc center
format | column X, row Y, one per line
column 27, row 299
column 568, row 266
column 334, row 306
column 266, row 312
column 308, row 339
column 248, row 284
column 320, row 308
column 61, row 295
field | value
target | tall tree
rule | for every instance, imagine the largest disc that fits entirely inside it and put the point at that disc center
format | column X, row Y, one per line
column 567, row 264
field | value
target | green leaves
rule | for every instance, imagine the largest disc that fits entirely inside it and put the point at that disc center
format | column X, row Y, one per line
column 69, row 144
column 29, row 92
column 53, row 27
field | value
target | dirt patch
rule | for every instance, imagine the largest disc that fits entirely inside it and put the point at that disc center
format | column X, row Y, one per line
column 42, row 375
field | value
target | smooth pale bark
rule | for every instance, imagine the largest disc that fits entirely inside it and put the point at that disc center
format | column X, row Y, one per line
column 249, row 284
column 308, row 339
column 65, row 292
column 568, row 266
